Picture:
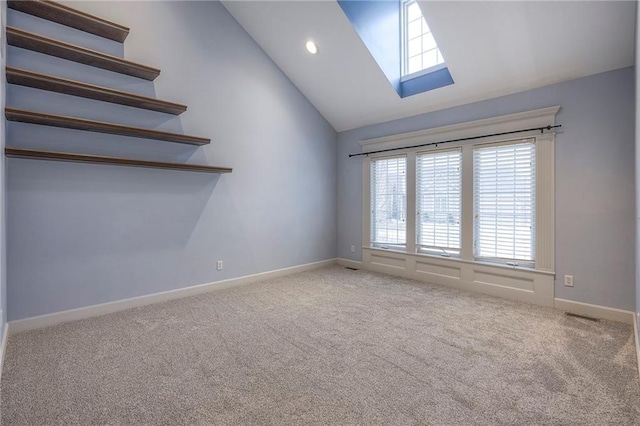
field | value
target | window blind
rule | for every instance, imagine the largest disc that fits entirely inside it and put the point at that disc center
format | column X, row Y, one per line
column 438, row 186
column 389, row 201
column 504, row 202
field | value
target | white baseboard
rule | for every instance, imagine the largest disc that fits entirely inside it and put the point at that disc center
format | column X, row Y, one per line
column 47, row 320
column 349, row 263
column 636, row 325
column 134, row 302
column 3, row 347
column 595, row 311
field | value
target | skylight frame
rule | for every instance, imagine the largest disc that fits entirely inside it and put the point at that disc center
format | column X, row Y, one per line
column 406, row 57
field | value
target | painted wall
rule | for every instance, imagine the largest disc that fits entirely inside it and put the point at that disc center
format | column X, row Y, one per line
column 594, row 180
column 3, row 181
column 81, row 234
column 637, row 128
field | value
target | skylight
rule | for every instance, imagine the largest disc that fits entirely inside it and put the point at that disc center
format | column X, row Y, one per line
column 420, row 51
column 401, row 43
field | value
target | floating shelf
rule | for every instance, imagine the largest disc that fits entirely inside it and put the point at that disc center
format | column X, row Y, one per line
column 24, row 116
column 71, row 52
column 76, row 88
column 64, row 15
column 71, row 17
column 97, row 159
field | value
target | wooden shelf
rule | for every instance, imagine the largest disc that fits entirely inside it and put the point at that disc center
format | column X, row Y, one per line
column 48, row 46
column 70, row 17
column 64, row 15
column 97, row 159
column 24, row 116
column 76, row 88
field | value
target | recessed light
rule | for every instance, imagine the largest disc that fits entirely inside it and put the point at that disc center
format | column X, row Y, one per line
column 311, row 47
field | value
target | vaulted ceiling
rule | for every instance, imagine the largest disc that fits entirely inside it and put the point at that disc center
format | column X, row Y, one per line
column 491, row 48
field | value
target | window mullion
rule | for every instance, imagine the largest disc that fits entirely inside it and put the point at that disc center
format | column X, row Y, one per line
column 411, row 202
column 466, row 252
column 367, row 180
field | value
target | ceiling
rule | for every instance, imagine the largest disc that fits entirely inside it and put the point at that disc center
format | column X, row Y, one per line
column 491, row 48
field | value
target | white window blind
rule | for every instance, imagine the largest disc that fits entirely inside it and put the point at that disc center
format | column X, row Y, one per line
column 389, row 201
column 438, row 185
column 504, row 202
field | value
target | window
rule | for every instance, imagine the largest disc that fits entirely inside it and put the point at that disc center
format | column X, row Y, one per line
column 420, row 50
column 504, row 202
column 438, row 192
column 500, row 207
column 479, row 209
column 389, row 202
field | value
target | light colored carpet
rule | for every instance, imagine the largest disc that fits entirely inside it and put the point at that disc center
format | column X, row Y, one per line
column 331, row 346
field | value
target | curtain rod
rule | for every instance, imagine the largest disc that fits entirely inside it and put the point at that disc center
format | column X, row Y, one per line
column 542, row 129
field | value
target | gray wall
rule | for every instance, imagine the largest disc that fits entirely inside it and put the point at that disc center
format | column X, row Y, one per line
column 3, row 180
column 637, row 122
column 82, row 234
column 594, row 180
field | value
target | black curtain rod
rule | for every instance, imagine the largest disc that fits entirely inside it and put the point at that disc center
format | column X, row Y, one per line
column 542, row 129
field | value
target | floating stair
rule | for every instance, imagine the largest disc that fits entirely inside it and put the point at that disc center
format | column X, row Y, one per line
column 70, row 17
column 98, row 159
column 24, row 116
column 71, row 52
column 75, row 88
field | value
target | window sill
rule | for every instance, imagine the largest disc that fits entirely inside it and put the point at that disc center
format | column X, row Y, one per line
column 425, row 80
column 423, row 72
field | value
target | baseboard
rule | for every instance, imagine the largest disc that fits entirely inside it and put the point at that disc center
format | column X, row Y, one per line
column 3, row 347
column 48, row 320
column 349, row 263
column 134, row 302
column 595, row 311
column 636, row 325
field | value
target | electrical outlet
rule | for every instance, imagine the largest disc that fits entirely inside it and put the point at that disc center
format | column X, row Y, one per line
column 568, row 280
column 353, row 249
column 219, row 265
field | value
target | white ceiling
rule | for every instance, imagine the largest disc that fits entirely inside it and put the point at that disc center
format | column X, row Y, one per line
column 491, row 48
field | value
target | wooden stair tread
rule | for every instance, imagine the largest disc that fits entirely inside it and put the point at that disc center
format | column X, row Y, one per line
column 71, row 52
column 24, row 116
column 70, row 17
column 76, row 88
column 99, row 159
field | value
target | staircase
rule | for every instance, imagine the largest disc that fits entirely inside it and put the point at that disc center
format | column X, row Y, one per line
column 60, row 14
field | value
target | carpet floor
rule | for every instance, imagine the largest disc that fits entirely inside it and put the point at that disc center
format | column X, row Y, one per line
column 330, row 346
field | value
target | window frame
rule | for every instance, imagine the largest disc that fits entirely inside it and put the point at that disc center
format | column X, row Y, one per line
column 529, row 263
column 387, row 245
column 433, row 250
column 544, row 172
column 404, row 48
